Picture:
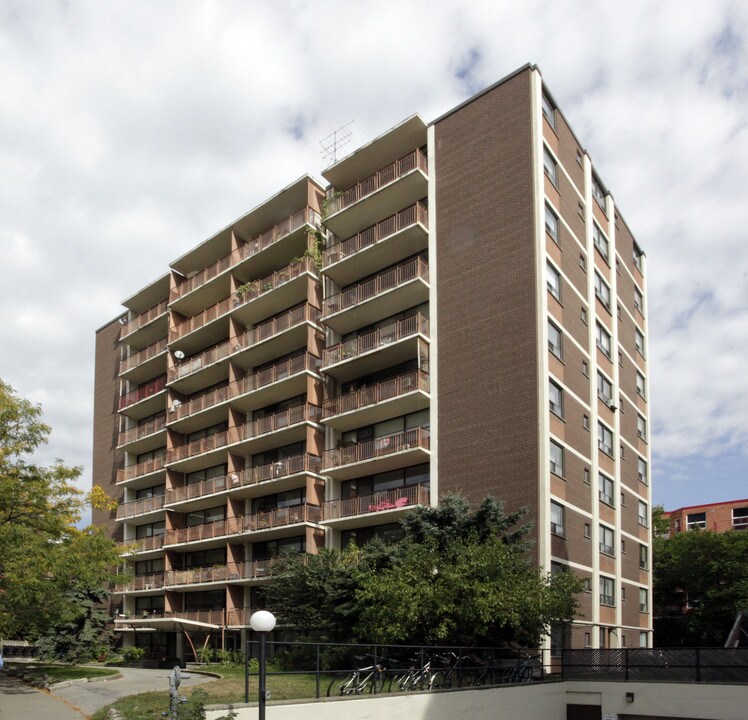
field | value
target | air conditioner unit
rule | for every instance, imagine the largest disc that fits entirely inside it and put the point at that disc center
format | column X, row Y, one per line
column 406, row 447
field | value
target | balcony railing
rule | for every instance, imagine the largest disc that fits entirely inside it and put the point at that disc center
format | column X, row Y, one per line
column 142, row 392
column 389, row 500
column 142, row 582
column 128, row 363
column 198, row 447
column 152, row 542
column 212, row 617
column 140, row 431
column 254, row 289
column 414, row 214
column 385, row 390
column 203, row 318
column 280, row 420
column 385, row 176
column 284, row 516
column 139, row 507
column 379, row 447
column 378, row 338
column 144, row 318
column 250, row 476
column 283, row 229
column 231, row 572
column 381, row 283
column 143, row 468
column 204, row 359
column 206, row 531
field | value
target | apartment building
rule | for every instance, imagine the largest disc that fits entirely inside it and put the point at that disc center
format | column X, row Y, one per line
column 460, row 307
column 717, row 517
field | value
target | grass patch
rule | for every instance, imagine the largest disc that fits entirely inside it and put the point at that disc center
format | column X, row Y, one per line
column 51, row 674
column 229, row 689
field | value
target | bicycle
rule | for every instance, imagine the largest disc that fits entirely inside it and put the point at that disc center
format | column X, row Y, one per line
column 414, row 679
column 523, row 670
column 458, row 672
column 369, row 679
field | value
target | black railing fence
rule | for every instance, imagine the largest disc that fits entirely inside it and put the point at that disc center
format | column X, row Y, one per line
column 725, row 665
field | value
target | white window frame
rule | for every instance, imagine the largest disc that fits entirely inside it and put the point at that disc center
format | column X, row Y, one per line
column 557, row 408
column 603, row 340
column 598, row 192
column 605, row 438
column 641, row 385
column 606, row 489
column 551, row 223
column 549, row 111
column 601, row 242
column 602, row 384
column 642, row 471
column 557, row 350
column 740, row 522
column 643, row 557
column 607, row 541
column 554, row 281
column 602, row 290
column 694, row 524
column 558, row 525
column 639, row 341
column 643, row 600
column 607, row 591
column 557, row 466
column 638, row 300
column 550, row 166
column 641, row 427
column 642, row 514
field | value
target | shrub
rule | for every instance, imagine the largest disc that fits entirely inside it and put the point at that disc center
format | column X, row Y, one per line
column 206, row 654
column 133, row 654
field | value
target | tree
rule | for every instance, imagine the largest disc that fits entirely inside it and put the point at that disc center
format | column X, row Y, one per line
column 457, row 576
column 46, row 563
column 700, row 583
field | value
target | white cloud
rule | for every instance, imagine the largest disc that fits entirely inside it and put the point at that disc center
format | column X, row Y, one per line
column 131, row 131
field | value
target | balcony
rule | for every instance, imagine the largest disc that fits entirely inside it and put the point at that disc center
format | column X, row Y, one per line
column 130, row 472
column 210, row 361
column 409, row 447
column 397, row 396
column 384, row 295
column 206, row 531
column 142, row 392
column 144, row 320
column 383, row 502
column 145, row 363
column 386, row 346
column 282, row 473
column 281, row 428
column 395, row 238
column 232, row 572
column 404, row 182
column 211, row 444
column 140, row 507
column 147, row 433
column 141, row 545
column 142, row 582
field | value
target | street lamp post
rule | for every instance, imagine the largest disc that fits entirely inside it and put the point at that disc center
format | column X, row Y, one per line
column 262, row 622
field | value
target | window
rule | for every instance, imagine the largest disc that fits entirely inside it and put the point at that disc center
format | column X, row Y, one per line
column 585, row 368
column 621, row 451
column 580, row 210
column 638, row 300
column 587, row 584
column 696, row 520
column 638, row 258
column 623, row 546
column 583, row 263
column 607, row 540
column 557, row 459
column 740, row 518
column 587, row 640
column 586, row 476
column 606, row 489
column 604, row 388
column 643, row 639
column 641, row 427
column 607, row 591
column 641, row 385
column 583, row 314
column 602, row 340
column 554, row 281
column 619, row 311
column 642, row 470
column 600, row 241
column 602, row 291
column 605, row 439
column 587, row 530
column 643, row 600
column 558, row 639
column 549, row 166
column 639, row 343
column 643, row 514
column 623, row 594
column 549, row 111
column 554, row 340
column 597, row 192
column 643, row 557
column 557, row 519
column 586, row 422
column 580, row 157
column 556, row 398
column 623, row 499
column 551, row 223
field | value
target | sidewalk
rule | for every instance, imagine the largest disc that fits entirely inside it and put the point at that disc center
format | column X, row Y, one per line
column 18, row 700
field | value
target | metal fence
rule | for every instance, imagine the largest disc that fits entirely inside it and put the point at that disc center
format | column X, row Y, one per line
column 725, row 665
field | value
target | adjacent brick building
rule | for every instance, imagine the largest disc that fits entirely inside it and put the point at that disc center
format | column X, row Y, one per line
column 460, row 308
column 718, row 517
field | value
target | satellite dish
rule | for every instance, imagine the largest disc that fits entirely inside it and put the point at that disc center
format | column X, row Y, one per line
column 123, row 320
column 176, row 404
column 179, row 355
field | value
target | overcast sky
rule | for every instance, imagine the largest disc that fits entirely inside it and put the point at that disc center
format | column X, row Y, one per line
column 131, row 131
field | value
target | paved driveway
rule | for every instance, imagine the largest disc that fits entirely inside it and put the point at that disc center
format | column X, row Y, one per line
column 81, row 700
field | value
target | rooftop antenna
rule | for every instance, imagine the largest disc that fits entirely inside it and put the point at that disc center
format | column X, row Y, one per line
column 334, row 141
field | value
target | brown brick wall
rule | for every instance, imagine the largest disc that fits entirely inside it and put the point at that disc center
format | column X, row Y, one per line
column 487, row 403
column 568, row 148
column 105, row 458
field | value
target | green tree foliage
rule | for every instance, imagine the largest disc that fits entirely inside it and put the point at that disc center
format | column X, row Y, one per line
column 700, row 583
column 456, row 577
column 46, row 563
